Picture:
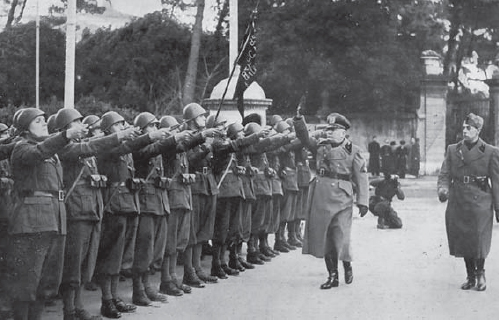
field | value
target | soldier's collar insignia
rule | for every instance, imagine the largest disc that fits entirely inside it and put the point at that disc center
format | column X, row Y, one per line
column 482, row 147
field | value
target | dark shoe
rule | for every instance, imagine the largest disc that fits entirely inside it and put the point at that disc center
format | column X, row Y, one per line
column 348, row 276
column 264, row 257
column 218, row 272
column 153, row 295
column 469, row 284
column 292, row 240
column 127, row 273
column 332, row 281
column 266, row 252
column 170, row 288
column 121, row 306
column 139, row 298
column 206, row 278
column 91, row 286
column 82, row 314
column 245, row 263
column 185, row 288
column 279, row 246
column 236, row 264
column 191, row 279
column 275, row 252
column 108, row 310
column 229, row 271
column 253, row 258
column 481, row 285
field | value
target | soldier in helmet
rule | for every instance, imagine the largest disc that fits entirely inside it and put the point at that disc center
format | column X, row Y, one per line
column 93, row 122
column 176, row 168
column 231, row 192
column 154, row 206
column 340, row 166
column 121, row 208
column 37, row 225
column 51, row 124
column 84, row 206
column 204, row 196
column 262, row 212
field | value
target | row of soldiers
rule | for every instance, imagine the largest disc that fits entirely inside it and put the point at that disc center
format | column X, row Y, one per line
column 87, row 196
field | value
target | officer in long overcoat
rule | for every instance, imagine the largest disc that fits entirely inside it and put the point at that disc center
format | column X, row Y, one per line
column 340, row 167
column 469, row 179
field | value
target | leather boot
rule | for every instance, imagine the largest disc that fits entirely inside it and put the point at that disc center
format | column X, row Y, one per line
column 278, row 244
column 139, row 297
column 381, row 223
column 205, row 277
column 298, row 231
column 151, row 293
column 123, row 307
column 471, row 274
column 108, row 309
column 170, row 288
column 269, row 248
column 481, row 285
column 191, row 279
column 347, row 266
column 82, row 314
column 245, row 263
column 263, row 248
column 292, row 240
column 252, row 256
column 233, row 259
column 216, row 269
column 282, row 229
column 332, row 281
column 228, row 270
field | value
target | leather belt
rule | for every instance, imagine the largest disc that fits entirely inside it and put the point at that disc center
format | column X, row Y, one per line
column 469, row 179
column 59, row 194
column 333, row 175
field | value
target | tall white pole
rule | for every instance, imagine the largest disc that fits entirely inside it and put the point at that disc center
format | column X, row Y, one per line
column 233, row 36
column 37, row 68
column 69, row 85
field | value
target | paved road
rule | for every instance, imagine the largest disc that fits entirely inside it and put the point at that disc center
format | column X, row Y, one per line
column 398, row 274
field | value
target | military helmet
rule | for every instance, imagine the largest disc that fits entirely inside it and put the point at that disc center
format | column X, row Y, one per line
column 144, row 119
column 251, row 128
column 233, row 129
column 211, row 123
column 66, row 116
column 275, row 119
column 25, row 117
column 92, row 121
column 52, row 123
column 168, row 122
column 192, row 111
column 3, row 127
column 109, row 118
column 281, row 126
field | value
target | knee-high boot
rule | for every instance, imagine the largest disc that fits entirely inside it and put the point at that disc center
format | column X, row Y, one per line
column 471, row 274
column 347, row 266
column 481, row 284
column 332, row 268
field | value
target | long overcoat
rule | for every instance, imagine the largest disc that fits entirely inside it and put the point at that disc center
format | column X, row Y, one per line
column 469, row 214
column 331, row 199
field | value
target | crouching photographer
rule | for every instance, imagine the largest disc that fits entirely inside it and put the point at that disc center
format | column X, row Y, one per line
column 380, row 204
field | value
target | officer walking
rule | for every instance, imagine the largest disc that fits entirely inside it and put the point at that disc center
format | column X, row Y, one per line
column 469, row 179
column 340, row 166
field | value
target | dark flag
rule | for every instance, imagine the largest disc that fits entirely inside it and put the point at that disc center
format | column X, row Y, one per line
column 246, row 59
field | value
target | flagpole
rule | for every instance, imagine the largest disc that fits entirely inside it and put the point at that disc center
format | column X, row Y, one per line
column 234, row 66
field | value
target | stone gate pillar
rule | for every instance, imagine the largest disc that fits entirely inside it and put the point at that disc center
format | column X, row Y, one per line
column 493, row 84
column 431, row 114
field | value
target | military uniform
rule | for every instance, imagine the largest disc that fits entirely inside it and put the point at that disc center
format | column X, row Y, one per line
column 176, row 168
column 329, row 217
column 37, row 225
column 229, row 205
column 471, row 176
column 304, row 176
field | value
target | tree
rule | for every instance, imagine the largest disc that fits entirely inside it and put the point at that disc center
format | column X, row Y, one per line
column 192, row 67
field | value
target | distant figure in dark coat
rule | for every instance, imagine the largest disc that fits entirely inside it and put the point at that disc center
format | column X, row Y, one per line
column 388, row 157
column 401, row 154
column 414, row 157
column 374, row 153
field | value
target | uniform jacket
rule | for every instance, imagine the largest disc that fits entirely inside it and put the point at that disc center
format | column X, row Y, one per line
column 117, row 165
column 80, row 167
column 288, row 170
column 176, row 165
column 6, row 182
column 232, row 184
column 303, row 168
column 36, row 168
column 469, row 214
column 330, row 196
column 148, row 163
